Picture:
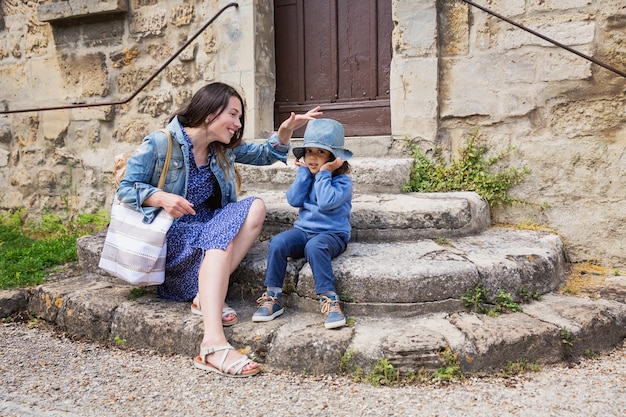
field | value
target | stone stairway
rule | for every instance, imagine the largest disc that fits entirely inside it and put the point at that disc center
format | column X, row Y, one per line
column 411, row 259
column 410, row 253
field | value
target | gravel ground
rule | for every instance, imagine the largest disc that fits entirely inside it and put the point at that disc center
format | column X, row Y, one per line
column 43, row 373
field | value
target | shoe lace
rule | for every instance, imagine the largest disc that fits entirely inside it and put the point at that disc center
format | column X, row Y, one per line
column 267, row 301
column 329, row 306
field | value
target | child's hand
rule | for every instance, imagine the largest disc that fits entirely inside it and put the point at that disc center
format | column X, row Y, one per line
column 332, row 165
column 294, row 122
column 299, row 163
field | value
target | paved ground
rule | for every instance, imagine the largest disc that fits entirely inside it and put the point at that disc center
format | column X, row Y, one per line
column 46, row 374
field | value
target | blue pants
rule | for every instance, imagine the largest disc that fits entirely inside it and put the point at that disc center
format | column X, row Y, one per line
column 318, row 248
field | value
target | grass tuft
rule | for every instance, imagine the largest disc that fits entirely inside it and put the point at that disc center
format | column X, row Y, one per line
column 29, row 249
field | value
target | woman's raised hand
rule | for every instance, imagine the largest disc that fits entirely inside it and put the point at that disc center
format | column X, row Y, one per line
column 296, row 121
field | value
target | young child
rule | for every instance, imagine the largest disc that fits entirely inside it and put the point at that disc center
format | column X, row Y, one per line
column 322, row 191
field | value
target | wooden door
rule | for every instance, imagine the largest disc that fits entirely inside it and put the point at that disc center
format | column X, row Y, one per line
column 336, row 54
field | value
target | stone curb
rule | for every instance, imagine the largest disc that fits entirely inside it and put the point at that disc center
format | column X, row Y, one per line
column 558, row 328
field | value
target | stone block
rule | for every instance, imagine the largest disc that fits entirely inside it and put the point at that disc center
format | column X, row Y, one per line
column 145, row 24
column 11, row 200
column 509, row 8
column 72, row 9
column 153, row 323
column 107, row 33
column 478, row 86
column 418, row 36
column 15, row 87
column 4, row 157
column 84, row 304
column 596, row 323
column 495, row 342
column 543, row 6
column 55, row 124
column 413, row 91
column 12, row 301
column 182, row 15
column 569, row 33
column 455, row 28
column 304, row 345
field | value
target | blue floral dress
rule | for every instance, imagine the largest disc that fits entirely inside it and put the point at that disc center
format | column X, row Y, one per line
column 191, row 235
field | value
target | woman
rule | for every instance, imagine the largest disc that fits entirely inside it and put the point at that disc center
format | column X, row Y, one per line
column 212, row 231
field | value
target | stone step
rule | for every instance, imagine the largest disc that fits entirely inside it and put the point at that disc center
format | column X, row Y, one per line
column 421, row 276
column 86, row 306
column 393, row 217
column 403, row 278
column 369, row 175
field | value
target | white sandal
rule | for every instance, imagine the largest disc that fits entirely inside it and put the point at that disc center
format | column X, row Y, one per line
column 195, row 309
column 235, row 369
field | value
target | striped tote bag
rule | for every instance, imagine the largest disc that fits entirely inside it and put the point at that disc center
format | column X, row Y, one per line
column 133, row 250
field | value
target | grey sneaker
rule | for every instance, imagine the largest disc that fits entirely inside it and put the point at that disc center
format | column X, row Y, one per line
column 270, row 307
column 333, row 316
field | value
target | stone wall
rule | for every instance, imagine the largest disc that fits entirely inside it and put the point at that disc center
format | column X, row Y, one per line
column 94, row 51
column 454, row 69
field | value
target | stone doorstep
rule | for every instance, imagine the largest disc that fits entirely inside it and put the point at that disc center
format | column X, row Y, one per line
column 298, row 342
column 369, row 175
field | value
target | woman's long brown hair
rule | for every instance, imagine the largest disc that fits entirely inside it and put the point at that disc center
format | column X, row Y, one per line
column 210, row 101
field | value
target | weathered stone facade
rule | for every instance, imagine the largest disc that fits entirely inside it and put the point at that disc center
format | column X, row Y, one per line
column 455, row 68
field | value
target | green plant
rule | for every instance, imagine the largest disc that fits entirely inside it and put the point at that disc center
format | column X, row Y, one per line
column 519, row 367
column 119, row 340
column 471, row 171
column 28, row 249
column 137, row 292
column 383, row 373
column 346, row 362
column 451, row 368
column 566, row 341
column 422, row 376
column 526, row 296
column 345, row 296
column 505, row 303
column 591, row 353
column 476, row 299
column 33, row 322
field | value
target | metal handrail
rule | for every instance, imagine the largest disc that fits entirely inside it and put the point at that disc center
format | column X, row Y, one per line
column 545, row 38
column 141, row 87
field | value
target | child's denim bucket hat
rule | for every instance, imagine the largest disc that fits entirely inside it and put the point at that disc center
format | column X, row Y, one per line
column 324, row 134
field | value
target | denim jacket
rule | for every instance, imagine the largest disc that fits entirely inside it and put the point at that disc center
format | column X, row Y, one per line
column 144, row 168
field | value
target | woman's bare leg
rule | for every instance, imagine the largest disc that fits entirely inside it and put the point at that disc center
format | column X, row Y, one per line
column 214, row 275
column 250, row 230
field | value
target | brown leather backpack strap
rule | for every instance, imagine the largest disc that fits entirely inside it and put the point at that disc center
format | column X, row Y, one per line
column 168, row 158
